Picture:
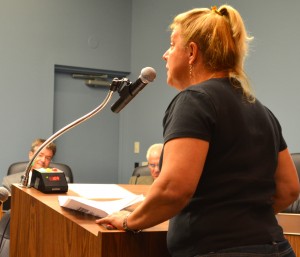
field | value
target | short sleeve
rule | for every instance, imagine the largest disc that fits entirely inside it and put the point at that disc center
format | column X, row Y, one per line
column 278, row 130
column 190, row 114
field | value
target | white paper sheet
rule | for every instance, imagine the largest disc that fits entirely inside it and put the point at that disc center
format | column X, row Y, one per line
column 98, row 208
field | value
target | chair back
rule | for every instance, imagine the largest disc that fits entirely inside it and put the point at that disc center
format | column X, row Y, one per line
column 18, row 167
column 141, row 171
column 141, row 176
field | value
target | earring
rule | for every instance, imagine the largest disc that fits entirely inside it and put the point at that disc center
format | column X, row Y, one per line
column 191, row 70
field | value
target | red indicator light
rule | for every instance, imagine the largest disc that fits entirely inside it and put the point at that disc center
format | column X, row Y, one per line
column 54, row 178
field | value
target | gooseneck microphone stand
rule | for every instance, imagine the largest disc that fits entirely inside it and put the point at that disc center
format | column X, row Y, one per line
column 115, row 85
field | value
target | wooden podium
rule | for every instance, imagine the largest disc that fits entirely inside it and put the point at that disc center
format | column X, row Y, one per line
column 41, row 228
column 290, row 224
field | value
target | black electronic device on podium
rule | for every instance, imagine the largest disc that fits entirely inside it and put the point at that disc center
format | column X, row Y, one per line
column 49, row 180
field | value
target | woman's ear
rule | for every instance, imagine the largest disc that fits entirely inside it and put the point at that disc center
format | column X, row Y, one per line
column 193, row 52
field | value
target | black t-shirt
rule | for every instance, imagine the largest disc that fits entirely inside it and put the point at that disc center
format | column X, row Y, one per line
column 232, row 205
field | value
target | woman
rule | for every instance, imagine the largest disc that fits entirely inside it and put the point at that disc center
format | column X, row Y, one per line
column 226, row 170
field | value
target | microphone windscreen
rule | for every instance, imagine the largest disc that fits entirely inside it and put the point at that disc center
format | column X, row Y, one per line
column 148, row 74
column 3, row 194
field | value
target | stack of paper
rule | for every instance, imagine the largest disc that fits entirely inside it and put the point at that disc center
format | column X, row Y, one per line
column 98, row 208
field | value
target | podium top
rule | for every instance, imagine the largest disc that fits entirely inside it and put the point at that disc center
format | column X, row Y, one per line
column 85, row 220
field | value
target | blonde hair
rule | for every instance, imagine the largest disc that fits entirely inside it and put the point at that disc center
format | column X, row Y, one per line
column 222, row 39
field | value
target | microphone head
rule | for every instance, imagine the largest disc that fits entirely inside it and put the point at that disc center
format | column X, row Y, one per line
column 3, row 194
column 148, row 74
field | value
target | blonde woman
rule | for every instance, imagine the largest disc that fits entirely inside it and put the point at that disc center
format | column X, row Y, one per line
column 226, row 169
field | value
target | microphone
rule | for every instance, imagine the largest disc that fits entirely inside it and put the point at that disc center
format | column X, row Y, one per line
column 127, row 93
column 136, row 179
column 3, row 194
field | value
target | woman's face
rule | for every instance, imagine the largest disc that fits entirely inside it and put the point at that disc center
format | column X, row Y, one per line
column 177, row 58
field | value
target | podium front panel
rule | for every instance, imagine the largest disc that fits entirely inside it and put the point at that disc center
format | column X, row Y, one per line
column 40, row 227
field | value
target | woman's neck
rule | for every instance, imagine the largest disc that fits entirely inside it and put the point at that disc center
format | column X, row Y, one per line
column 203, row 76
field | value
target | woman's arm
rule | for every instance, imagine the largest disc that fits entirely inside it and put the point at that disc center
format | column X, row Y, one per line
column 183, row 163
column 287, row 182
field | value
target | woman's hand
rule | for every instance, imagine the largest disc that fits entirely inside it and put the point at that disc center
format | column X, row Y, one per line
column 113, row 221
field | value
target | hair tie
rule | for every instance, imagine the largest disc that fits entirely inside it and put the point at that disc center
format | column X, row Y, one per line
column 214, row 9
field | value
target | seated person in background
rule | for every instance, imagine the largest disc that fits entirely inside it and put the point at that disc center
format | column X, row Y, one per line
column 153, row 157
column 42, row 161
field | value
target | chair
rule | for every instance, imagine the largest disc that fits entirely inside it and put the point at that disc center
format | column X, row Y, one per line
column 141, row 176
column 18, row 167
column 5, row 234
column 295, row 206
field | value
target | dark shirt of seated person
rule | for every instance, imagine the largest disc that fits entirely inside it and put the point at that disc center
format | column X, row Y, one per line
column 42, row 161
